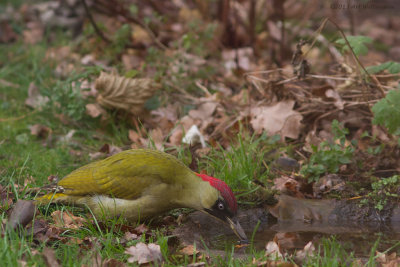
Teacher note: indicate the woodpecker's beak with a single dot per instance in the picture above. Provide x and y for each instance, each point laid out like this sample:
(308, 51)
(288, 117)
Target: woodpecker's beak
(237, 229)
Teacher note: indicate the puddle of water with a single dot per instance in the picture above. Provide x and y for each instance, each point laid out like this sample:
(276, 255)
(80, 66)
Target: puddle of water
(358, 238)
(359, 242)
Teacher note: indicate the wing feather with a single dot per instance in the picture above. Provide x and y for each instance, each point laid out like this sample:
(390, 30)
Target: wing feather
(125, 175)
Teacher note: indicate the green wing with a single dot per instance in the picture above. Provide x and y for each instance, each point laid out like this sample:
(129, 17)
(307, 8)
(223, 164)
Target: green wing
(125, 175)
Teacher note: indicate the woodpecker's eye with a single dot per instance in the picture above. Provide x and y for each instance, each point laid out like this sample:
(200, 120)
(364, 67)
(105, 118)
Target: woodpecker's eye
(220, 209)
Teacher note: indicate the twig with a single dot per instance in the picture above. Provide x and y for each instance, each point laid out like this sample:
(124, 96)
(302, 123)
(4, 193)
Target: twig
(122, 11)
(356, 58)
(17, 118)
(185, 94)
(318, 31)
(202, 87)
(96, 29)
(149, 32)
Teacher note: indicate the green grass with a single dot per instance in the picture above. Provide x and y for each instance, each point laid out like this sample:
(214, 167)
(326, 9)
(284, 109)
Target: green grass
(330, 254)
(242, 163)
(15, 247)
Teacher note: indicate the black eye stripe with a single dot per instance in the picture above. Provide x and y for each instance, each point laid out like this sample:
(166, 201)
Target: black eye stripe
(220, 209)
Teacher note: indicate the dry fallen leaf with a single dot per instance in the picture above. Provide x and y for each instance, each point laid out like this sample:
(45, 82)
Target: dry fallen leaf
(128, 236)
(142, 253)
(34, 32)
(272, 250)
(338, 102)
(134, 136)
(287, 240)
(67, 220)
(176, 137)
(140, 35)
(169, 112)
(105, 151)
(67, 138)
(141, 229)
(196, 264)
(97, 261)
(60, 53)
(277, 119)
(50, 257)
(327, 184)
(117, 92)
(189, 250)
(156, 137)
(131, 62)
(238, 58)
(287, 185)
(35, 99)
(95, 110)
(308, 250)
(386, 260)
(204, 111)
(74, 241)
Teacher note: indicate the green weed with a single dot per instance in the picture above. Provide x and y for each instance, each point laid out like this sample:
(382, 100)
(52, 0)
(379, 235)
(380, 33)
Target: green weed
(328, 157)
(387, 112)
(383, 190)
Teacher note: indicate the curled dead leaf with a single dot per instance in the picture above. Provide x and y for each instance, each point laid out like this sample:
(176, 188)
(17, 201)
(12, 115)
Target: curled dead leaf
(122, 93)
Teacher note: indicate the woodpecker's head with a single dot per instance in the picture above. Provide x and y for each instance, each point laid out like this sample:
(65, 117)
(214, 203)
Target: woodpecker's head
(224, 205)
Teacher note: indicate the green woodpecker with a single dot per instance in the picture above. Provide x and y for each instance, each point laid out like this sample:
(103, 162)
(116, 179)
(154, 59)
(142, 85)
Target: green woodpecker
(142, 183)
